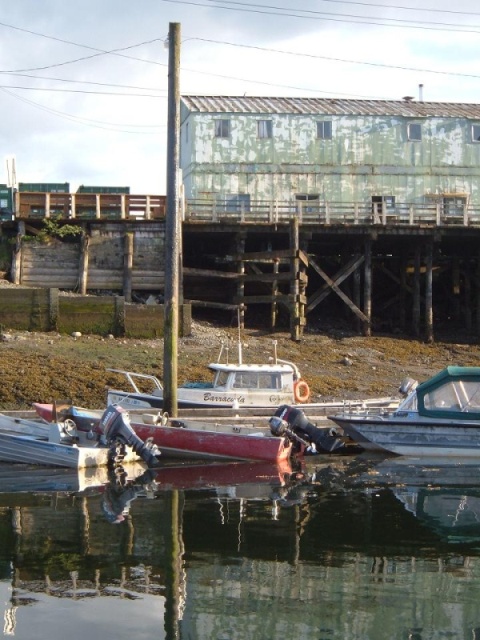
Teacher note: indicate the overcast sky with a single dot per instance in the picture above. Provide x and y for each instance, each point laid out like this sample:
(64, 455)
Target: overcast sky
(84, 83)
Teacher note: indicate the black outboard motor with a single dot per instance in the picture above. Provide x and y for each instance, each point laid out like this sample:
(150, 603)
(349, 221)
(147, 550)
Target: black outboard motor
(325, 439)
(119, 494)
(116, 427)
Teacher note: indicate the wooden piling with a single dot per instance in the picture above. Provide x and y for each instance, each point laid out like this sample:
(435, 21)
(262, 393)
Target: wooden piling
(357, 283)
(240, 250)
(403, 292)
(295, 328)
(429, 293)
(416, 292)
(274, 306)
(367, 295)
(16, 268)
(83, 269)
(128, 266)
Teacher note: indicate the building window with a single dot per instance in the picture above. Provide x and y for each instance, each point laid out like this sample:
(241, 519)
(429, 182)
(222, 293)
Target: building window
(186, 132)
(222, 128)
(378, 204)
(454, 205)
(414, 131)
(264, 128)
(324, 129)
(475, 132)
(233, 202)
(312, 198)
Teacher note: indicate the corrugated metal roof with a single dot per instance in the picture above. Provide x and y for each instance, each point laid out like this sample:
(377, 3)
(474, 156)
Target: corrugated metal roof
(330, 106)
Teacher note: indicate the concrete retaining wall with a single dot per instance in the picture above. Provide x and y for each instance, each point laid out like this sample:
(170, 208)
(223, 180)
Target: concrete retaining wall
(34, 309)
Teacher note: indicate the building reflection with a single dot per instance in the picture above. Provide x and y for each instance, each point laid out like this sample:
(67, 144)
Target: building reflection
(250, 552)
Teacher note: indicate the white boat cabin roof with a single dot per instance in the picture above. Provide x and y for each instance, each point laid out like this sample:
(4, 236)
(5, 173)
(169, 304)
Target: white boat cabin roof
(251, 368)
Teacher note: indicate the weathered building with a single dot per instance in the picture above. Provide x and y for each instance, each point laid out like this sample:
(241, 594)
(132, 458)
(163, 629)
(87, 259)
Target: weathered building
(331, 151)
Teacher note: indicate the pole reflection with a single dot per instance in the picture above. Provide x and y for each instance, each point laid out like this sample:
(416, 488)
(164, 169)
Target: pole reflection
(342, 547)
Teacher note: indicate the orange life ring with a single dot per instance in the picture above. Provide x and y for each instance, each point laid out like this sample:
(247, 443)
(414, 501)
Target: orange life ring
(301, 391)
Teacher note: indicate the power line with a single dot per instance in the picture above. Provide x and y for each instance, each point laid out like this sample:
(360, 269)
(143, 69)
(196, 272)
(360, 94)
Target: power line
(360, 19)
(80, 120)
(310, 12)
(99, 52)
(100, 84)
(95, 55)
(206, 73)
(403, 8)
(97, 93)
(228, 77)
(343, 60)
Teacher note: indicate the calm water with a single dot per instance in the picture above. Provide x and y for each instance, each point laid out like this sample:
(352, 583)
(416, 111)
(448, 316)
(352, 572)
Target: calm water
(345, 548)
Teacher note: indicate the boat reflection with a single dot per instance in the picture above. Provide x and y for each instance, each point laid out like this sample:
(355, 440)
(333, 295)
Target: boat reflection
(241, 480)
(347, 547)
(442, 493)
(22, 478)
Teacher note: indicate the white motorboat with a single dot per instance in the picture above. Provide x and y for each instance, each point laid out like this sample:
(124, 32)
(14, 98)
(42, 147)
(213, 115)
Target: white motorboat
(233, 386)
(61, 444)
(440, 417)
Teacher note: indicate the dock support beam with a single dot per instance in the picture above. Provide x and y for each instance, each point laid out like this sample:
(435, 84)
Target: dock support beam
(403, 291)
(416, 292)
(477, 292)
(83, 276)
(274, 306)
(367, 296)
(429, 293)
(295, 313)
(128, 267)
(240, 250)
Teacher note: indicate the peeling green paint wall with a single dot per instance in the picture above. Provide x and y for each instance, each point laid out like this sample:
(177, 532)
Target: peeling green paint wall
(366, 156)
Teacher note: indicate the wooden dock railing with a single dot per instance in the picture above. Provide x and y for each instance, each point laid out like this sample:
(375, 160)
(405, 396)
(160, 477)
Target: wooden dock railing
(89, 206)
(147, 207)
(309, 212)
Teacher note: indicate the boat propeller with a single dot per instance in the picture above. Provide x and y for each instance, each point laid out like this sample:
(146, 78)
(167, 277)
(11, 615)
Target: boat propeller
(115, 426)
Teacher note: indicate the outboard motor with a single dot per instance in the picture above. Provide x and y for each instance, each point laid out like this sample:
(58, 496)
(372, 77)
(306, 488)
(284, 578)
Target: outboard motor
(116, 427)
(407, 386)
(119, 494)
(325, 439)
(281, 429)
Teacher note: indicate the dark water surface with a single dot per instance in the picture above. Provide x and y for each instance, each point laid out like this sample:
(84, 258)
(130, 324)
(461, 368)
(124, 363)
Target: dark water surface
(349, 548)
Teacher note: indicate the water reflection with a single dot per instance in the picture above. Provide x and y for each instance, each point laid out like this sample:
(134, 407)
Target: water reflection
(343, 547)
(443, 494)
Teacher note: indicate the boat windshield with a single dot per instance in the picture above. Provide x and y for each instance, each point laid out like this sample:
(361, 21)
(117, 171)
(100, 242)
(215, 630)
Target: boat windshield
(255, 380)
(454, 395)
(409, 404)
(221, 379)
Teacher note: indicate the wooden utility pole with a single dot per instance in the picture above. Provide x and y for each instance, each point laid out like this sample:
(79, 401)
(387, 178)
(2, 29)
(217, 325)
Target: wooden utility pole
(172, 226)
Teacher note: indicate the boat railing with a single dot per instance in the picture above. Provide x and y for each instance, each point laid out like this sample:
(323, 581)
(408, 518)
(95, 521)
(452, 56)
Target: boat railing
(131, 376)
(366, 412)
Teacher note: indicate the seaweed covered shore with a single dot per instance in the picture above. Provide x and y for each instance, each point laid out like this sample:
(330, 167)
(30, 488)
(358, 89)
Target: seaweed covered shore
(43, 367)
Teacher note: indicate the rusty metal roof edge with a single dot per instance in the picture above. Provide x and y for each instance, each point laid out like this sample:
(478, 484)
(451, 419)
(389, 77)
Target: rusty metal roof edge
(328, 106)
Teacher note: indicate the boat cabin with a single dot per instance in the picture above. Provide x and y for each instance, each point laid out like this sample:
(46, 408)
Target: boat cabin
(278, 377)
(453, 391)
(232, 385)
